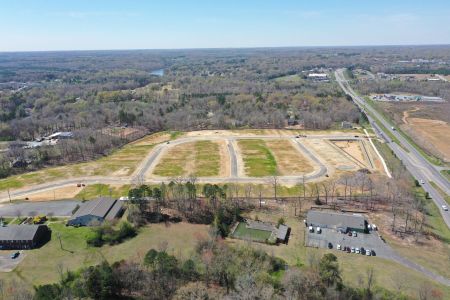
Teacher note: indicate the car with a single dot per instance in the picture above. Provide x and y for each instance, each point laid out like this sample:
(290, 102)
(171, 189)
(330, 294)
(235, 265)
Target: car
(357, 251)
(318, 229)
(78, 184)
(422, 181)
(168, 143)
(374, 227)
(373, 253)
(363, 251)
(348, 250)
(354, 234)
(330, 245)
(392, 127)
(353, 250)
(444, 207)
(311, 229)
(338, 247)
(368, 252)
(15, 255)
(349, 233)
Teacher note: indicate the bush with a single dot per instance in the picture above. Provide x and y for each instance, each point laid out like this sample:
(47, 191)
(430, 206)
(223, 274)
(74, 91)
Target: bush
(106, 234)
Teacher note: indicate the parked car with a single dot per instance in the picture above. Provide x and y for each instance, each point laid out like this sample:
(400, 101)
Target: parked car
(348, 250)
(311, 229)
(15, 255)
(368, 252)
(363, 251)
(374, 227)
(318, 229)
(354, 234)
(444, 207)
(373, 253)
(357, 251)
(330, 245)
(349, 233)
(353, 250)
(338, 247)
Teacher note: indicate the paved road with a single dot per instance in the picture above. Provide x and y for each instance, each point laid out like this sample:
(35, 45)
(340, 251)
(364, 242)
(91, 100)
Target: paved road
(414, 162)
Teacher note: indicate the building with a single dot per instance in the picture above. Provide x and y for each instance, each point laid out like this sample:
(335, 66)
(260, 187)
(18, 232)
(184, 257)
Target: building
(346, 125)
(318, 76)
(283, 233)
(336, 220)
(96, 211)
(60, 135)
(18, 237)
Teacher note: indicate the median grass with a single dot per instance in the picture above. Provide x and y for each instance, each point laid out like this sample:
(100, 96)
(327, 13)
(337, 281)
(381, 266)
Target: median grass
(258, 159)
(446, 174)
(97, 190)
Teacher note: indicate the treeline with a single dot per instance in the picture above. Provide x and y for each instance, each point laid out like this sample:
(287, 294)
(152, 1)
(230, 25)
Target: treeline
(214, 271)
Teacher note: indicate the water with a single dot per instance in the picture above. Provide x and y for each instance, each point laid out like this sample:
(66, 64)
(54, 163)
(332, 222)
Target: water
(159, 72)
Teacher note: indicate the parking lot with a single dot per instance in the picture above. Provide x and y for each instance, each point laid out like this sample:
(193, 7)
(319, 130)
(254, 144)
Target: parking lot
(7, 264)
(61, 208)
(370, 241)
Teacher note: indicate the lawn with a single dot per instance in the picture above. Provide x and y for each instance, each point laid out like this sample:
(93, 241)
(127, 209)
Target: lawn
(40, 266)
(446, 174)
(258, 159)
(256, 235)
(97, 190)
(201, 158)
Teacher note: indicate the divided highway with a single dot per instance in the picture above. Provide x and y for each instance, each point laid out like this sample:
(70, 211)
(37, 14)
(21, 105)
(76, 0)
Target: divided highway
(415, 163)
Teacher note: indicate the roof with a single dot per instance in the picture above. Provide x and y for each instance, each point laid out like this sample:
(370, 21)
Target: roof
(114, 211)
(99, 207)
(282, 232)
(337, 219)
(18, 232)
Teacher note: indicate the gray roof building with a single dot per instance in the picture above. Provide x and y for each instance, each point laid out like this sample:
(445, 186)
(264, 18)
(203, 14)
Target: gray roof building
(282, 232)
(96, 211)
(336, 220)
(23, 236)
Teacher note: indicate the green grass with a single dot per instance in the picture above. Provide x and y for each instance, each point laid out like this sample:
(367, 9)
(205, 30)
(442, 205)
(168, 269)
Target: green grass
(207, 159)
(440, 191)
(244, 233)
(96, 190)
(446, 174)
(40, 266)
(258, 159)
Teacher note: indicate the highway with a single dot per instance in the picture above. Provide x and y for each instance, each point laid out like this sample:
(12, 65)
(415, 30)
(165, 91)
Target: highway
(415, 163)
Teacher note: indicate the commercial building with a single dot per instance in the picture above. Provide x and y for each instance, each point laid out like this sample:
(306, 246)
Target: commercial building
(94, 212)
(336, 220)
(18, 237)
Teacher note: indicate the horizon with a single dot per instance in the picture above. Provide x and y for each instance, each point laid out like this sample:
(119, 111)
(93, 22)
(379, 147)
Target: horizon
(176, 25)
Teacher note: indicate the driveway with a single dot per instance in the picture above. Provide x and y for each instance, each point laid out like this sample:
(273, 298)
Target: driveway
(7, 264)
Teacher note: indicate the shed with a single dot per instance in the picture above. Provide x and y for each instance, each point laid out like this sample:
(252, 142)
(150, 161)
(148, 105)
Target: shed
(283, 233)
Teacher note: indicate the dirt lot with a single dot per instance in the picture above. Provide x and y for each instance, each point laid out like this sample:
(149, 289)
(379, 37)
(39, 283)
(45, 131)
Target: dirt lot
(68, 192)
(353, 148)
(289, 160)
(334, 157)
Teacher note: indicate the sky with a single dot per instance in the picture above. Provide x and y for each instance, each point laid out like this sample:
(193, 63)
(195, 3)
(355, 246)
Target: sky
(39, 25)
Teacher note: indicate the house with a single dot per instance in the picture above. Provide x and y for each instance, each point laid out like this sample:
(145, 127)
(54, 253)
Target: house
(318, 76)
(18, 237)
(337, 220)
(96, 211)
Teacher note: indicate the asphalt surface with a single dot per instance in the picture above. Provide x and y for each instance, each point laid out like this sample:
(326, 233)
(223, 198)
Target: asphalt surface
(415, 163)
(61, 208)
(371, 241)
(7, 264)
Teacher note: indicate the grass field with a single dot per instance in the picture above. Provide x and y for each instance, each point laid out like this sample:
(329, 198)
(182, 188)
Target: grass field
(289, 160)
(446, 174)
(201, 158)
(244, 233)
(258, 159)
(96, 190)
(41, 265)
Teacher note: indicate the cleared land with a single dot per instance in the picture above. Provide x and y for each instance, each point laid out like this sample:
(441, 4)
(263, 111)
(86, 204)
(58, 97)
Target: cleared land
(353, 148)
(40, 266)
(289, 160)
(68, 192)
(122, 162)
(201, 158)
(258, 159)
(331, 155)
(434, 135)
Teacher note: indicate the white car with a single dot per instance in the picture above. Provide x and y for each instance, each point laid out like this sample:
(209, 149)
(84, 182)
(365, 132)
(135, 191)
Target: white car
(319, 230)
(354, 234)
(422, 181)
(444, 207)
(353, 250)
(368, 252)
(338, 247)
(357, 251)
(311, 229)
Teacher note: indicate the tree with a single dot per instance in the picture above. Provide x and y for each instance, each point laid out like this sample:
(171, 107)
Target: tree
(329, 270)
